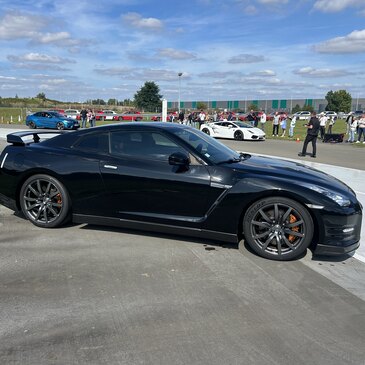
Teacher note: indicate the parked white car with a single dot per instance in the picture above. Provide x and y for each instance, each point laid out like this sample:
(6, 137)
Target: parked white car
(72, 113)
(234, 130)
(330, 114)
(303, 115)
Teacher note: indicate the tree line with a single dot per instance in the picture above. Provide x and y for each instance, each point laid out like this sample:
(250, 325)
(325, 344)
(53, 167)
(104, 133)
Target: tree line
(148, 99)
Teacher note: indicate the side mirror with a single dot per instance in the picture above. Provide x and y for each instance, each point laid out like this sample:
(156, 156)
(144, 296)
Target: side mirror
(179, 159)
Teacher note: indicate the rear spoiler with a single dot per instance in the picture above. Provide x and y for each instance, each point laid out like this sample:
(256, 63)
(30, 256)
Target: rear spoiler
(16, 138)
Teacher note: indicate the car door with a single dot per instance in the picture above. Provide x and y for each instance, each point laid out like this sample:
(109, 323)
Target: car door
(142, 185)
(50, 121)
(44, 120)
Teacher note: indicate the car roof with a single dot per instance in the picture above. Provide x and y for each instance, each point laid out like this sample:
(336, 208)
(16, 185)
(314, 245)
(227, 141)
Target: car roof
(68, 139)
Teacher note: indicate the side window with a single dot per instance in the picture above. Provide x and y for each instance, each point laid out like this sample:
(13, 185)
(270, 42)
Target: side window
(146, 145)
(96, 143)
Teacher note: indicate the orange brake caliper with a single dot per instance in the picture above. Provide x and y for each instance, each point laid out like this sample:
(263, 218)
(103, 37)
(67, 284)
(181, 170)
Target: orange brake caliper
(293, 219)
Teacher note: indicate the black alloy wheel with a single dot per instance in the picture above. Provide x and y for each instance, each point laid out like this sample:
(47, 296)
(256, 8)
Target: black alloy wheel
(278, 228)
(32, 125)
(238, 136)
(60, 126)
(206, 131)
(44, 201)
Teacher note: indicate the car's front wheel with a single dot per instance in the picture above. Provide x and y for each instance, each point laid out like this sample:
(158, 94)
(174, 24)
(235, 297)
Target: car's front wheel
(238, 135)
(60, 126)
(206, 131)
(44, 201)
(32, 125)
(278, 228)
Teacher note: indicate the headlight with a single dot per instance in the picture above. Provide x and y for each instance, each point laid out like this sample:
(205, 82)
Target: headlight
(338, 198)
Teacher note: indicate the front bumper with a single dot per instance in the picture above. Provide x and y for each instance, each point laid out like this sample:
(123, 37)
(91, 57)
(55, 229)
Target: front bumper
(340, 234)
(335, 250)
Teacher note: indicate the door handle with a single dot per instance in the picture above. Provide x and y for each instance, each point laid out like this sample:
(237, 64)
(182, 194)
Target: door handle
(112, 167)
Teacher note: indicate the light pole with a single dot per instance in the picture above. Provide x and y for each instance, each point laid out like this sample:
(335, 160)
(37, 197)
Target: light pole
(179, 74)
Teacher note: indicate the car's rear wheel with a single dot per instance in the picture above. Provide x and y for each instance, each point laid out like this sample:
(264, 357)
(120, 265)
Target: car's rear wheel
(206, 131)
(60, 126)
(278, 228)
(238, 135)
(44, 201)
(32, 125)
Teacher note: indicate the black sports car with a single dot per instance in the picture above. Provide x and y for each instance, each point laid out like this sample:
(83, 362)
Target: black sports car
(172, 178)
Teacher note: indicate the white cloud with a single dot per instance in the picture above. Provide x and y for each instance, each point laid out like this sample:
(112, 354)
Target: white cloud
(175, 54)
(272, 2)
(352, 43)
(15, 25)
(246, 58)
(250, 10)
(329, 6)
(141, 74)
(39, 58)
(265, 73)
(321, 73)
(136, 21)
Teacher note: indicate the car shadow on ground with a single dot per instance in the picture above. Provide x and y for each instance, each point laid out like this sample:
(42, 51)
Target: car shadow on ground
(209, 244)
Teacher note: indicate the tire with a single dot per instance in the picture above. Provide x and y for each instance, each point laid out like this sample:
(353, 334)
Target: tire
(44, 201)
(120, 119)
(238, 136)
(206, 131)
(60, 126)
(32, 125)
(278, 228)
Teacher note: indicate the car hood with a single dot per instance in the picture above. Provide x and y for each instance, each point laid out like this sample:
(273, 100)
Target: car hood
(289, 171)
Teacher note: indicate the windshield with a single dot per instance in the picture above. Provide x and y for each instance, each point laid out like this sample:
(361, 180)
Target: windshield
(243, 125)
(213, 150)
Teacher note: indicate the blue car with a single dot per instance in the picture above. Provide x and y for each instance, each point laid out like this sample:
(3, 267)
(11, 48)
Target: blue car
(50, 119)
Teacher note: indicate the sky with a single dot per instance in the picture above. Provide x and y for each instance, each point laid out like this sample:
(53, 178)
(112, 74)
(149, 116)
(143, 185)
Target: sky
(76, 50)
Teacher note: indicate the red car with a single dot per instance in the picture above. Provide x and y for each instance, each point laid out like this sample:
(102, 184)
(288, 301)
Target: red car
(130, 115)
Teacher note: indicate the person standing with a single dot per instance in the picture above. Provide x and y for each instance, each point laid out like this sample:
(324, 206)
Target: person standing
(361, 130)
(263, 121)
(349, 121)
(322, 124)
(283, 125)
(353, 127)
(91, 118)
(181, 117)
(251, 118)
(83, 114)
(312, 134)
(275, 124)
(292, 126)
(330, 125)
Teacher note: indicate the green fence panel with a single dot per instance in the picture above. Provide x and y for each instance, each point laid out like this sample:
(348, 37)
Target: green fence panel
(282, 104)
(193, 104)
(214, 104)
(275, 104)
(169, 104)
(236, 104)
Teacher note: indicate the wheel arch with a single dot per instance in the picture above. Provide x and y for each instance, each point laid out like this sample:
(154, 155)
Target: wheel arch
(39, 171)
(282, 194)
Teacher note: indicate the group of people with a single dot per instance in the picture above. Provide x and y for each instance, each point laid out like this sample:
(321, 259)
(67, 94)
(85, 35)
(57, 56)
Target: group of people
(354, 125)
(87, 116)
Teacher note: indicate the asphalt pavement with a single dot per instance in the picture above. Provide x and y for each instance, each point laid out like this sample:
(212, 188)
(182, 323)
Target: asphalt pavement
(86, 294)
